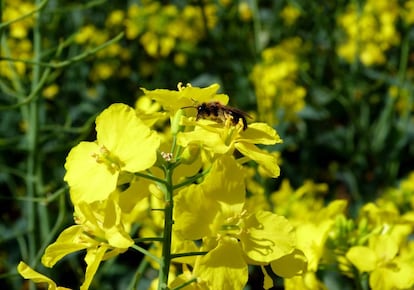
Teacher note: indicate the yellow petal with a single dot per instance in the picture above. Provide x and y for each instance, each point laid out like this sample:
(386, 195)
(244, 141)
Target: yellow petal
(223, 267)
(267, 160)
(403, 278)
(225, 181)
(29, 273)
(307, 281)
(93, 258)
(363, 258)
(267, 237)
(384, 246)
(88, 180)
(186, 96)
(193, 213)
(67, 242)
(260, 133)
(127, 137)
(381, 279)
(311, 240)
(290, 265)
(179, 245)
(211, 140)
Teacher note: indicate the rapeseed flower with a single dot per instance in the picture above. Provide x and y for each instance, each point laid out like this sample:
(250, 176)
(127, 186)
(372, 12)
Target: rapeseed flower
(124, 144)
(371, 30)
(279, 95)
(387, 269)
(100, 230)
(213, 211)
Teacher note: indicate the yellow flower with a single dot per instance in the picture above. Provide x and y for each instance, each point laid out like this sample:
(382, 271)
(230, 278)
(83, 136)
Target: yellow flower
(274, 78)
(300, 204)
(100, 230)
(85, 34)
(224, 140)
(51, 91)
(245, 11)
(408, 12)
(115, 18)
(387, 270)
(29, 273)
(149, 110)
(370, 31)
(290, 14)
(213, 211)
(197, 205)
(172, 101)
(124, 143)
(16, 9)
(102, 71)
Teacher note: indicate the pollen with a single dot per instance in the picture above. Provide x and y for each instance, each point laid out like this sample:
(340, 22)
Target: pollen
(110, 160)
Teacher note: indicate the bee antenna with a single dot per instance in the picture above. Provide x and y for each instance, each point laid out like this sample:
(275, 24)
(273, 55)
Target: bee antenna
(186, 107)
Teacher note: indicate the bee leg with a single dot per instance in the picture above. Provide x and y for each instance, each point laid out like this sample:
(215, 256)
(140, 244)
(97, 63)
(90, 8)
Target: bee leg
(244, 123)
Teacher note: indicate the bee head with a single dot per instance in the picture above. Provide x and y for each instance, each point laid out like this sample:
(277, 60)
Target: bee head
(202, 107)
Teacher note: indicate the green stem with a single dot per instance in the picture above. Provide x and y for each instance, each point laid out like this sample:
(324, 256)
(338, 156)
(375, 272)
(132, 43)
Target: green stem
(146, 253)
(55, 229)
(180, 255)
(257, 28)
(149, 239)
(138, 274)
(168, 223)
(402, 73)
(150, 177)
(70, 61)
(32, 141)
(186, 283)
(191, 179)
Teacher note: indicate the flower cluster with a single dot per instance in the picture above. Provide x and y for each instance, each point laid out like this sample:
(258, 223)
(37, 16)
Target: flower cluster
(186, 189)
(371, 31)
(17, 45)
(164, 29)
(275, 82)
(161, 30)
(331, 241)
(380, 235)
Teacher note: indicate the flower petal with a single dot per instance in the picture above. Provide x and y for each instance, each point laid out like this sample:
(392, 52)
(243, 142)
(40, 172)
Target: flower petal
(209, 139)
(267, 237)
(88, 180)
(186, 96)
(29, 273)
(127, 137)
(193, 213)
(93, 258)
(66, 243)
(260, 133)
(225, 181)
(290, 265)
(267, 160)
(369, 261)
(223, 267)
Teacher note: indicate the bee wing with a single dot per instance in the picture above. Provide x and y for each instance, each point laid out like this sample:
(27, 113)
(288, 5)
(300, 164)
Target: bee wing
(238, 111)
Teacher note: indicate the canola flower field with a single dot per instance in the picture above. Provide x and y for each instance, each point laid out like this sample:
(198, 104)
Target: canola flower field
(207, 144)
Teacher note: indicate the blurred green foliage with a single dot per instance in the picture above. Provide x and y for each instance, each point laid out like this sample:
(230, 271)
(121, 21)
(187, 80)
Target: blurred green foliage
(334, 78)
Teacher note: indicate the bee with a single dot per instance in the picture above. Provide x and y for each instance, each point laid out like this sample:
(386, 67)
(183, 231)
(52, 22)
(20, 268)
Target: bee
(220, 113)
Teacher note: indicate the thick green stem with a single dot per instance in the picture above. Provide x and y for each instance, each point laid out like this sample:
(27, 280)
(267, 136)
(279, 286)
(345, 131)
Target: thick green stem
(32, 139)
(167, 236)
